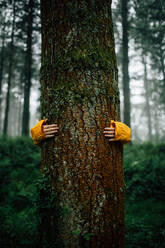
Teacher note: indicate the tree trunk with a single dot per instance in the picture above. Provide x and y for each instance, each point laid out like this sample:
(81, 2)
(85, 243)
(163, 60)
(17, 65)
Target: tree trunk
(156, 125)
(2, 59)
(28, 71)
(11, 55)
(80, 93)
(148, 109)
(19, 118)
(125, 63)
(162, 69)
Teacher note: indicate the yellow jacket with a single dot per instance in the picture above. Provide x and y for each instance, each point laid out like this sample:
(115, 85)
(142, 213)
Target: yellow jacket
(37, 133)
(122, 132)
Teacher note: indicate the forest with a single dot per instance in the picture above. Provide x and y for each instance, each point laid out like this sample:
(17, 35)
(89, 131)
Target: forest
(56, 58)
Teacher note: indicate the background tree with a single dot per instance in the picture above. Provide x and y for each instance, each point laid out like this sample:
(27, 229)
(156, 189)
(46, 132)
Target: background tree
(2, 60)
(11, 56)
(147, 98)
(24, 71)
(149, 24)
(125, 61)
(28, 67)
(80, 93)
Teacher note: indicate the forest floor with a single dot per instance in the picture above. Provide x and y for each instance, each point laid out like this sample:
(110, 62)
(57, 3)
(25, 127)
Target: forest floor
(20, 179)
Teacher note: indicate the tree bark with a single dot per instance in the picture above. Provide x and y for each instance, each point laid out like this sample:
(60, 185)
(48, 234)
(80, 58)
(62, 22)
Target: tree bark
(80, 93)
(148, 109)
(11, 55)
(28, 71)
(162, 66)
(125, 63)
(1, 72)
(156, 125)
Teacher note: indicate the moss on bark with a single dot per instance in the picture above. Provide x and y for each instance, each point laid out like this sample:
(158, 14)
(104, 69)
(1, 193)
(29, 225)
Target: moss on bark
(80, 93)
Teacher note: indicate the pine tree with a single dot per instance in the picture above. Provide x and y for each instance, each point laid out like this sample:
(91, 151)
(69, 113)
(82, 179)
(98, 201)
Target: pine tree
(148, 31)
(125, 62)
(80, 93)
(28, 68)
(11, 56)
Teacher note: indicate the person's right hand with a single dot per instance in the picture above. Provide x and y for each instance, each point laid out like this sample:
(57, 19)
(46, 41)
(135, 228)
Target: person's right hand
(109, 132)
(49, 130)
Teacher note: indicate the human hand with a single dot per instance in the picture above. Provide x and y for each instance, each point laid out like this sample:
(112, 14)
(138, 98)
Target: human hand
(109, 132)
(49, 130)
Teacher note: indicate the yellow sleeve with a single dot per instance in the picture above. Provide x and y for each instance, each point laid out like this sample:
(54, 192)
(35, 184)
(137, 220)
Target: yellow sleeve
(37, 133)
(122, 131)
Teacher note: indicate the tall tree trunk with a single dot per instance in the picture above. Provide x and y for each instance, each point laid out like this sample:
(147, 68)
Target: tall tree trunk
(11, 128)
(19, 130)
(156, 125)
(162, 69)
(11, 55)
(28, 71)
(148, 109)
(2, 59)
(80, 93)
(125, 62)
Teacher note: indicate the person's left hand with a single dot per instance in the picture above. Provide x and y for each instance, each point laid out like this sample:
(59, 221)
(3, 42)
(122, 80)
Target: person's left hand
(49, 130)
(109, 132)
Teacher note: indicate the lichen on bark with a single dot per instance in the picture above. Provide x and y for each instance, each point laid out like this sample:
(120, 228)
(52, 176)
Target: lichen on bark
(80, 93)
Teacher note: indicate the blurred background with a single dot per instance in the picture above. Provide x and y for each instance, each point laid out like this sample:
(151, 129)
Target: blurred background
(140, 47)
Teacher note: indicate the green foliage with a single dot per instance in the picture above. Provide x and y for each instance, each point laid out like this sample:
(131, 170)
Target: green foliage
(144, 171)
(76, 232)
(145, 225)
(88, 236)
(144, 178)
(19, 170)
